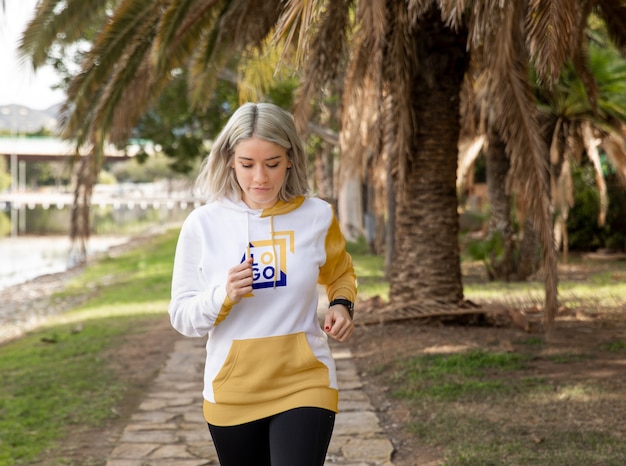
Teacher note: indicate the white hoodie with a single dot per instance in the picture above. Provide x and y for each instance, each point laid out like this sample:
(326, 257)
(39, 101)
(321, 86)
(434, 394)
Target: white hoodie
(267, 353)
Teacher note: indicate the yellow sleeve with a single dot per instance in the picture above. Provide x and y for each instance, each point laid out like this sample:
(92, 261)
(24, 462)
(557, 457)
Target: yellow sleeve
(337, 273)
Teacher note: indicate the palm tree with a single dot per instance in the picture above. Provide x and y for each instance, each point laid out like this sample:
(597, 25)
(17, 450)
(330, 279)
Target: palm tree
(406, 61)
(572, 128)
(579, 125)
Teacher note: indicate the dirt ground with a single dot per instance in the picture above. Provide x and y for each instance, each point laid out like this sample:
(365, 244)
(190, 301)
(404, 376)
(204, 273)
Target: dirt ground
(581, 337)
(374, 348)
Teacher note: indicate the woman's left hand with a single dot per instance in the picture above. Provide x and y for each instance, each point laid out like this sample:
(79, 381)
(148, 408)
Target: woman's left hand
(338, 324)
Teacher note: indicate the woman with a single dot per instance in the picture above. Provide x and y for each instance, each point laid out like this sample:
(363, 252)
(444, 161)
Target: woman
(245, 273)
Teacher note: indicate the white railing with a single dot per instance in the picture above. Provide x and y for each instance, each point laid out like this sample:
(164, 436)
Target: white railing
(30, 200)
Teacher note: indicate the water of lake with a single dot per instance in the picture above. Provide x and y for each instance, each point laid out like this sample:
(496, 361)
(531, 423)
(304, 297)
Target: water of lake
(23, 258)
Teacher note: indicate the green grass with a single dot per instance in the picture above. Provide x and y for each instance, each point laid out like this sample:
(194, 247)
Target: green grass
(601, 287)
(615, 346)
(57, 379)
(138, 278)
(370, 271)
(531, 342)
(54, 380)
(455, 376)
(601, 290)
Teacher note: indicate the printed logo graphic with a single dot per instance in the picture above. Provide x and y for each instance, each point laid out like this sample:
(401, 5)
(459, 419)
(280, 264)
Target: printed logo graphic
(269, 260)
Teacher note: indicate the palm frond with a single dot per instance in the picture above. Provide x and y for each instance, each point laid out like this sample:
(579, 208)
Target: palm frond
(569, 99)
(257, 71)
(515, 119)
(367, 43)
(591, 147)
(369, 124)
(613, 12)
(130, 32)
(328, 47)
(452, 12)
(614, 146)
(574, 145)
(54, 19)
(469, 150)
(204, 72)
(417, 8)
(247, 23)
(181, 28)
(556, 142)
(399, 60)
(474, 100)
(241, 24)
(298, 17)
(485, 14)
(361, 131)
(580, 58)
(128, 94)
(551, 24)
(609, 70)
(563, 201)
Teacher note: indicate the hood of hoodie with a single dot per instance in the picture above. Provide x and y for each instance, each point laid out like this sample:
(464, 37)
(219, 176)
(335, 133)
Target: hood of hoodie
(280, 208)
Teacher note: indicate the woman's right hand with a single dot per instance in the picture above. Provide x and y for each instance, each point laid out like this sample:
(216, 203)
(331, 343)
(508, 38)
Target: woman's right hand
(239, 280)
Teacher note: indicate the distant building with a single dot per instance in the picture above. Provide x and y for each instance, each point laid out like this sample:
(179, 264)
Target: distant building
(48, 149)
(18, 119)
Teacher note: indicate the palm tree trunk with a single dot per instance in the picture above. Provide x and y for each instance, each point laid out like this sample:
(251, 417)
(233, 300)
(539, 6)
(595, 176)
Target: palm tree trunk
(426, 269)
(79, 227)
(324, 171)
(529, 252)
(501, 261)
(350, 207)
(390, 224)
(324, 158)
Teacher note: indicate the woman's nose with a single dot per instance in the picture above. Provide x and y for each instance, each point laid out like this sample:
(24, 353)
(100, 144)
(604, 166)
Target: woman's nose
(260, 174)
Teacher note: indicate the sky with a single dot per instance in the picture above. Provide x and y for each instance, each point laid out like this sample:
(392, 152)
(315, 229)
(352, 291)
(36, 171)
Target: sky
(19, 84)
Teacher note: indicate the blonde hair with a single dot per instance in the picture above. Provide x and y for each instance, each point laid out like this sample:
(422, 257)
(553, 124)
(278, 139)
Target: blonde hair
(259, 120)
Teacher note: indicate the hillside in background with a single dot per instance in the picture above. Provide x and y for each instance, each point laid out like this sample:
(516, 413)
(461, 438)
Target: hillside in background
(18, 119)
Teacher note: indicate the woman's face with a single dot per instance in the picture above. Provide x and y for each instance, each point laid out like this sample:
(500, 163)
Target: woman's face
(260, 167)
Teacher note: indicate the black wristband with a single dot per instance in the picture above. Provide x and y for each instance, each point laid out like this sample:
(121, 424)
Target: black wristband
(346, 302)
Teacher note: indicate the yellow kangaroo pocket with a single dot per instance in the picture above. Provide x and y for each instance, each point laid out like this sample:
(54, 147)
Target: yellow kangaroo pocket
(263, 369)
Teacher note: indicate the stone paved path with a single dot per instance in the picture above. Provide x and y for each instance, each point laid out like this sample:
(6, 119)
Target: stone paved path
(168, 428)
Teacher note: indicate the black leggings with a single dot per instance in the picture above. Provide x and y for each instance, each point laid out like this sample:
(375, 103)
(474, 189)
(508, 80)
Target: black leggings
(298, 437)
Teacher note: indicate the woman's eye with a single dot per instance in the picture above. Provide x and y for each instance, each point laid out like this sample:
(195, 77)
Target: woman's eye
(273, 165)
(246, 166)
